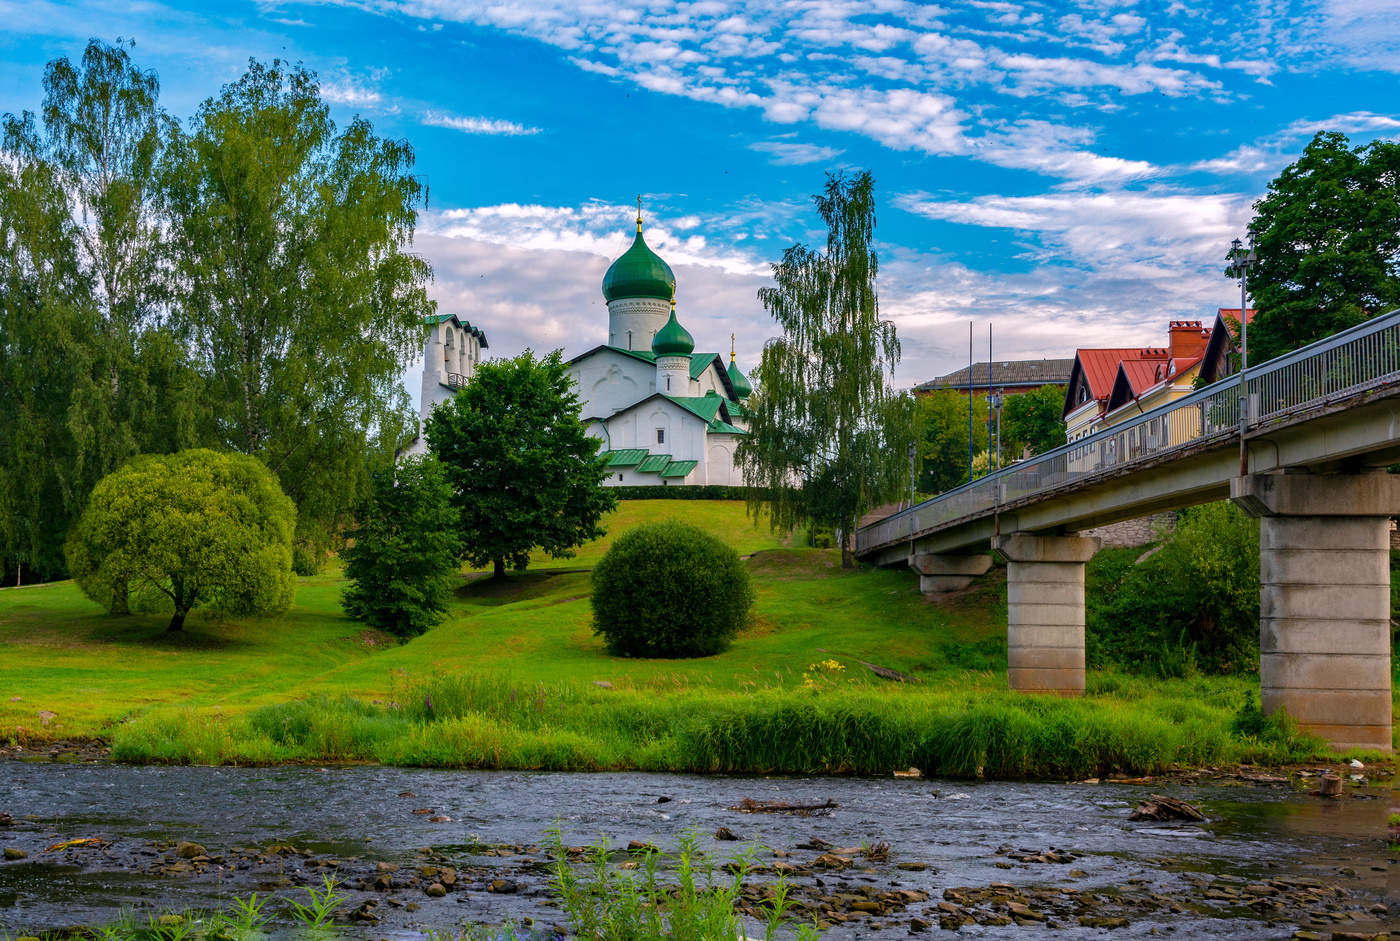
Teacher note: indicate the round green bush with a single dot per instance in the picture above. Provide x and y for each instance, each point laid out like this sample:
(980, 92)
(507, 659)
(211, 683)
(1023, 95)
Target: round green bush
(669, 590)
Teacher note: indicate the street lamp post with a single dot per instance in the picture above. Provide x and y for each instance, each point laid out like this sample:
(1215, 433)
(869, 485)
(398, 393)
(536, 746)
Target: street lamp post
(1242, 259)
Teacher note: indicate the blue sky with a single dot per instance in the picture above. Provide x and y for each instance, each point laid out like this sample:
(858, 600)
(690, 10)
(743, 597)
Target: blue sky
(1069, 172)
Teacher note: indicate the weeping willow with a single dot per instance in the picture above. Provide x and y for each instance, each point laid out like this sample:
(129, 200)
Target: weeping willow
(828, 435)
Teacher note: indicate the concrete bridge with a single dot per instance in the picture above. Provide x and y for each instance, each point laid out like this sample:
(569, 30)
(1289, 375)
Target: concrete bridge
(1320, 426)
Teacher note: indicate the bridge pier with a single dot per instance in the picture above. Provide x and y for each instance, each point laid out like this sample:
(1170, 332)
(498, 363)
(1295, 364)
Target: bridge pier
(1324, 600)
(1045, 611)
(943, 573)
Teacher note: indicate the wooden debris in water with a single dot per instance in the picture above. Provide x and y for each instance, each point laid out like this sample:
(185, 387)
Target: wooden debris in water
(750, 806)
(1158, 807)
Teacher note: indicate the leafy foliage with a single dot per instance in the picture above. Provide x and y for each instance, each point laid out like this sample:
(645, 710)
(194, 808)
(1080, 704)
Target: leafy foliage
(187, 529)
(1194, 604)
(402, 557)
(524, 471)
(942, 429)
(827, 435)
(87, 375)
(1328, 240)
(669, 590)
(1030, 422)
(295, 286)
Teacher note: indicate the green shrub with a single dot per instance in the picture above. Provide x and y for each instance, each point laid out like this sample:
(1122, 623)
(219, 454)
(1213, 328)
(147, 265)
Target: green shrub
(669, 590)
(1194, 604)
(402, 559)
(170, 532)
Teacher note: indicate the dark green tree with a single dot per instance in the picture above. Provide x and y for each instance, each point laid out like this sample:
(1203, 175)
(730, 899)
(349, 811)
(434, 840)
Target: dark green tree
(940, 421)
(176, 531)
(91, 391)
(1031, 423)
(828, 436)
(45, 364)
(295, 285)
(1328, 240)
(401, 559)
(525, 473)
(101, 132)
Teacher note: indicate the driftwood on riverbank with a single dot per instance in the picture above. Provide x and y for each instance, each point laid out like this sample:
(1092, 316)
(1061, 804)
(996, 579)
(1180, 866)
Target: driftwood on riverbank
(1157, 807)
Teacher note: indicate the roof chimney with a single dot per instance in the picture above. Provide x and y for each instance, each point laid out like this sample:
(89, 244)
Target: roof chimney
(1187, 340)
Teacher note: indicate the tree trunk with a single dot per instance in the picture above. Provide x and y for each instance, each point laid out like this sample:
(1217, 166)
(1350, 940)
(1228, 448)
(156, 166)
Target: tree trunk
(848, 560)
(121, 605)
(498, 572)
(177, 622)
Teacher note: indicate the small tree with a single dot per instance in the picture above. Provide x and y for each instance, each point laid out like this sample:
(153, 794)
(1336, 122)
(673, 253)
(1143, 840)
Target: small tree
(1030, 422)
(187, 529)
(669, 590)
(941, 429)
(524, 471)
(828, 437)
(402, 558)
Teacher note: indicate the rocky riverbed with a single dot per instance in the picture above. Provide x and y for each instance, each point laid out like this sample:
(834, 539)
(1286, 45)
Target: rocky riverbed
(419, 849)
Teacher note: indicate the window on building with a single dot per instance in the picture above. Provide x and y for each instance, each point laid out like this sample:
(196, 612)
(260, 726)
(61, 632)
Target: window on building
(668, 383)
(661, 436)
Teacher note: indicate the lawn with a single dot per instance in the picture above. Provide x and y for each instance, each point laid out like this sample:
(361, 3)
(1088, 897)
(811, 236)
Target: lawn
(515, 677)
(65, 656)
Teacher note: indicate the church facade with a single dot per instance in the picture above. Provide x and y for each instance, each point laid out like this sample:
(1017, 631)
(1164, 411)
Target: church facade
(666, 414)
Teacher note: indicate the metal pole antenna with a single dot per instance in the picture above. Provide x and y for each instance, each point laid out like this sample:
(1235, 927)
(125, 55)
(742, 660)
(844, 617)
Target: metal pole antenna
(993, 397)
(969, 401)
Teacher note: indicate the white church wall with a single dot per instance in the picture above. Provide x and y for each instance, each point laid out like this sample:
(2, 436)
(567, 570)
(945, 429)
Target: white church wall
(609, 381)
(633, 321)
(720, 464)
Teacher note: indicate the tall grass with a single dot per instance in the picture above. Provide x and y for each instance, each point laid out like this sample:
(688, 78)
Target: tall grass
(1125, 725)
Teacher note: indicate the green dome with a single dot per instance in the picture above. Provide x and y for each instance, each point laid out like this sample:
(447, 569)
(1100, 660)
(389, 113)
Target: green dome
(742, 389)
(673, 339)
(640, 272)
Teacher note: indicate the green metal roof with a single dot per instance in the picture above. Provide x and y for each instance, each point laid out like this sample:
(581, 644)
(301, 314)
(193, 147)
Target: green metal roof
(718, 427)
(645, 356)
(678, 468)
(627, 457)
(742, 388)
(672, 339)
(702, 406)
(433, 320)
(699, 362)
(640, 272)
(654, 464)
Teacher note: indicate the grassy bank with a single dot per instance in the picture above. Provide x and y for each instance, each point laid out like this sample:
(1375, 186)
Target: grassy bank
(967, 728)
(515, 678)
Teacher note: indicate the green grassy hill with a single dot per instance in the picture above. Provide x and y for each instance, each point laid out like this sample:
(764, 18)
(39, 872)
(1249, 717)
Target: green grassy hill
(514, 677)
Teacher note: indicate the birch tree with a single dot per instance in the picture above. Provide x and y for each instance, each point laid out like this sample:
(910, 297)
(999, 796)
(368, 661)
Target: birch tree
(828, 436)
(295, 283)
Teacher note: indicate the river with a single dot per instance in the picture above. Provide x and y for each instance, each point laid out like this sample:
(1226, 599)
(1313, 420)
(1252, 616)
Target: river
(1269, 859)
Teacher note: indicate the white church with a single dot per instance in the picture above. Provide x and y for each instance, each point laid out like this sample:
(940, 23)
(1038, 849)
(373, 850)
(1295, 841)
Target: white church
(666, 415)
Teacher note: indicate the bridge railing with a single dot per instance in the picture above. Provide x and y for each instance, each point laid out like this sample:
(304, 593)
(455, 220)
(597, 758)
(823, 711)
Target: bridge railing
(1361, 357)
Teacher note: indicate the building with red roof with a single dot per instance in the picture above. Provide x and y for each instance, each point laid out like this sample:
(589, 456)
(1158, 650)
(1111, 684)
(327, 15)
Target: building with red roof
(1107, 386)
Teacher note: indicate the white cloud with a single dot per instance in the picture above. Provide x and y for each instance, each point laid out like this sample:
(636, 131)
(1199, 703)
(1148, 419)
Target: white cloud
(792, 153)
(355, 91)
(476, 125)
(891, 71)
